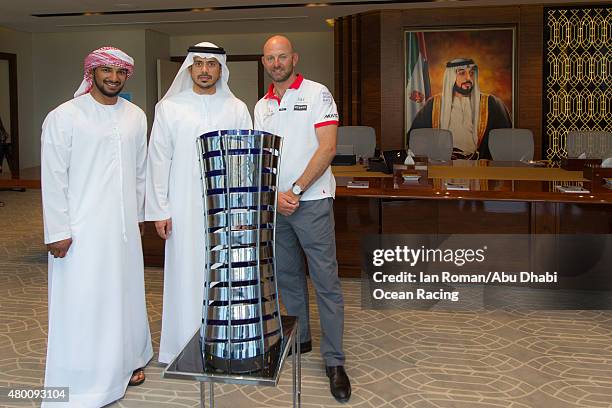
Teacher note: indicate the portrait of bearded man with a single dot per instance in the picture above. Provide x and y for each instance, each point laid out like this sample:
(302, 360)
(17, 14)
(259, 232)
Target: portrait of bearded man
(464, 110)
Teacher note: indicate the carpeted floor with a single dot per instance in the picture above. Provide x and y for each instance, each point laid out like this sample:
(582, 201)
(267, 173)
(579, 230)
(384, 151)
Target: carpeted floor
(394, 358)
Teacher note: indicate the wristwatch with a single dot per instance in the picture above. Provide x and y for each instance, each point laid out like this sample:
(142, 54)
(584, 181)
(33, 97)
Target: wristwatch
(297, 190)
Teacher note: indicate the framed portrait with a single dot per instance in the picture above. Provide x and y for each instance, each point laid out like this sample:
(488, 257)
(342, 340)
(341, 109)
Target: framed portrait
(463, 80)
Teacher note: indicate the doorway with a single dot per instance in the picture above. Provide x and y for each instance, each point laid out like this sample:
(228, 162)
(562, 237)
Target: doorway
(9, 126)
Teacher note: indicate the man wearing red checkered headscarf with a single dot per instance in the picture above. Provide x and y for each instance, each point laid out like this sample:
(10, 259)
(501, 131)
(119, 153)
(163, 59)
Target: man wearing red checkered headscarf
(93, 170)
(105, 56)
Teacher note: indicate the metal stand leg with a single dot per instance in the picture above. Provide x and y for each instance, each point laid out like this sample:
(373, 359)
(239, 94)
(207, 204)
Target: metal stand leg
(299, 367)
(212, 395)
(296, 370)
(202, 395)
(295, 350)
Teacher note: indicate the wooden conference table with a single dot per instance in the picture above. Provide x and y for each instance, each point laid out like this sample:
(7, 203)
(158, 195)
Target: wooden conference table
(503, 198)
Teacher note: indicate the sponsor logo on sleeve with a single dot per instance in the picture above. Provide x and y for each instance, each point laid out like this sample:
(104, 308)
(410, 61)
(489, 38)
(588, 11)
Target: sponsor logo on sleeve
(331, 116)
(326, 97)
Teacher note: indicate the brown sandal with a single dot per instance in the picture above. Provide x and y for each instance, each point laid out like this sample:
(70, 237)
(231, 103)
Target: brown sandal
(136, 372)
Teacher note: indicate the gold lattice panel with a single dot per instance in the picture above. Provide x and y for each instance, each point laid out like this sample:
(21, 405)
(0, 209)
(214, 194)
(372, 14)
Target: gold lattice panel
(577, 74)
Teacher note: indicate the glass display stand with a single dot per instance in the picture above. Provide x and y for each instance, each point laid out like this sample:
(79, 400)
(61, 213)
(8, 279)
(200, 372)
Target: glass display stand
(189, 365)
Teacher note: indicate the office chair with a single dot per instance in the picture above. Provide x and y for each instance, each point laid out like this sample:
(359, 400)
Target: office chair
(363, 139)
(511, 144)
(436, 144)
(595, 144)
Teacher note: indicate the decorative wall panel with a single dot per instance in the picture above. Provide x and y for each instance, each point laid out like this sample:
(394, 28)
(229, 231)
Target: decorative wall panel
(577, 74)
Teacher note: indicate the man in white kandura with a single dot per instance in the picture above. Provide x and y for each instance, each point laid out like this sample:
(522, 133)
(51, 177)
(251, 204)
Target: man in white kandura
(198, 101)
(93, 183)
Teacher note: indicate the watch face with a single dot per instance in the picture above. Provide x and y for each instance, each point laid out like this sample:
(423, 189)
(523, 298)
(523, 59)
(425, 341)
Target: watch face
(297, 190)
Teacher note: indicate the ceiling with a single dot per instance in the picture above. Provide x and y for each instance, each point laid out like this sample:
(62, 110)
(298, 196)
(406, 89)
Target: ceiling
(183, 17)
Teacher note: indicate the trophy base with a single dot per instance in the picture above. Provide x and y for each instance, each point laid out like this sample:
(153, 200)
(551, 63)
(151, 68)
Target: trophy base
(246, 365)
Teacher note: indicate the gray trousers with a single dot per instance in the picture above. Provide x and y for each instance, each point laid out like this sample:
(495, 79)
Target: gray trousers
(311, 228)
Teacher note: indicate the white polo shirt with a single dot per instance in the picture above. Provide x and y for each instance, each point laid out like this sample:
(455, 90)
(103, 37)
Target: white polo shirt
(305, 106)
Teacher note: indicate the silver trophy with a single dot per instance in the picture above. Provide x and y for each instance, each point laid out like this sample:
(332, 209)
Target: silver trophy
(241, 326)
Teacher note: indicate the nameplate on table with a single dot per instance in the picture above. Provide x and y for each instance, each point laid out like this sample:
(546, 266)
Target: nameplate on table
(461, 185)
(358, 184)
(572, 189)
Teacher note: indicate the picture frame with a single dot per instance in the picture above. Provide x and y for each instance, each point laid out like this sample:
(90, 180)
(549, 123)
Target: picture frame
(427, 51)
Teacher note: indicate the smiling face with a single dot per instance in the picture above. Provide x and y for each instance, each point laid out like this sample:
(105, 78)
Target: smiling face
(205, 72)
(109, 80)
(279, 59)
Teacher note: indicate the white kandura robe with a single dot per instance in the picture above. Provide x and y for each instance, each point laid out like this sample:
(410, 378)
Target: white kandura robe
(93, 170)
(462, 125)
(174, 191)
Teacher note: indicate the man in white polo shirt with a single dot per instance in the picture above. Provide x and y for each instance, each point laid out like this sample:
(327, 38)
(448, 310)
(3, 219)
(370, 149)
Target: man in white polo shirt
(304, 113)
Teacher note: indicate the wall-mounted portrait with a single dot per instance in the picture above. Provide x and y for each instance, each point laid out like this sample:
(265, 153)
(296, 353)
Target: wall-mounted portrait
(461, 80)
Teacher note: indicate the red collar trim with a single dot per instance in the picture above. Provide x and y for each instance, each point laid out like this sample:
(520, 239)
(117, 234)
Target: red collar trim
(295, 85)
(298, 81)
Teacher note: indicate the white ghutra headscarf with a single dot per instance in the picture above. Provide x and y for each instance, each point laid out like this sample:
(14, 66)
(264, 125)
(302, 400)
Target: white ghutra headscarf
(450, 76)
(183, 80)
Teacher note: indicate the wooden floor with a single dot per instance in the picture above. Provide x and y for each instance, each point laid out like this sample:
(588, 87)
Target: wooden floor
(28, 178)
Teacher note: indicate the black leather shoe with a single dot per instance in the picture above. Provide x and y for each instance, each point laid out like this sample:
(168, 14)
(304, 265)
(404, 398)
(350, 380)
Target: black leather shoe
(339, 383)
(305, 347)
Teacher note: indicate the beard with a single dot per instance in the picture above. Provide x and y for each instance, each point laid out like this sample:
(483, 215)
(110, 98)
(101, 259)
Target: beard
(462, 91)
(206, 85)
(100, 86)
(279, 76)
(204, 80)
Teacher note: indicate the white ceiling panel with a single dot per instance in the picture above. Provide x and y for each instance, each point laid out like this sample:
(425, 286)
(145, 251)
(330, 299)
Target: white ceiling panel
(18, 14)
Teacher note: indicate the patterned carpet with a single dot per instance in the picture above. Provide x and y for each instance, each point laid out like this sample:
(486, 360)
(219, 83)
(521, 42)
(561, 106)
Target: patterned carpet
(396, 359)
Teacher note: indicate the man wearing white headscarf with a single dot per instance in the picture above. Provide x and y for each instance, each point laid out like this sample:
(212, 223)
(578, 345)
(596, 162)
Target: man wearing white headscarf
(93, 169)
(461, 108)
(198, 101)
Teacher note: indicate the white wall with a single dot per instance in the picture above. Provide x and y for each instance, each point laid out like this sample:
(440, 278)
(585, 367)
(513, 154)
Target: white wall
(157, 47)
(316, 50)
(19, 43)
